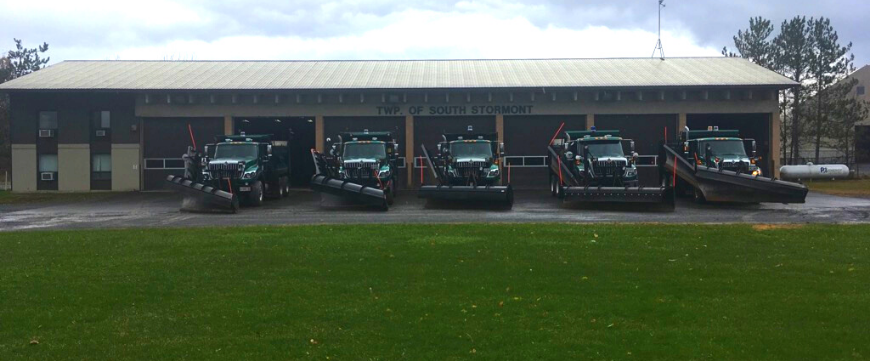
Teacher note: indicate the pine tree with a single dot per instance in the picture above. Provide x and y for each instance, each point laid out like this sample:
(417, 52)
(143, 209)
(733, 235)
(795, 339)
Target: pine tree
(18, 62)
(754, 43)
(829, 63)
(792, 57)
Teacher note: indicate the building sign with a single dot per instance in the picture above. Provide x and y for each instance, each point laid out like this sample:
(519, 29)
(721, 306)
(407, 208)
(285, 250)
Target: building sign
(455, 109)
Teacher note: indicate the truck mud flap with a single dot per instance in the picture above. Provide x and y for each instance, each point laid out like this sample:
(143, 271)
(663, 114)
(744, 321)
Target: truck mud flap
(733, 187)
(362, 194)
(202, 198)
(497, 194)
(620, 194)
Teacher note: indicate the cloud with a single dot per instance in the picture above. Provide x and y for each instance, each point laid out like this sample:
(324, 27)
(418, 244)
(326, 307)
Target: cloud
(378, 29)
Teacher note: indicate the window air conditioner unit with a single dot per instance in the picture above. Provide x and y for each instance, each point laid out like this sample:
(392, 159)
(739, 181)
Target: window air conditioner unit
(46, 133)
(46, 176)
(101, 133)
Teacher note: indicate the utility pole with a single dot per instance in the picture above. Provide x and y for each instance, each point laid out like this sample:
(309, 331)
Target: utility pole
(659, 47)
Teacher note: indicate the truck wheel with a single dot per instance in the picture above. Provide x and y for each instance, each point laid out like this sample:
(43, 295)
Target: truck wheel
(282, 191)
(286, 186)
(552, 185)
(256, 195)
(390, 194)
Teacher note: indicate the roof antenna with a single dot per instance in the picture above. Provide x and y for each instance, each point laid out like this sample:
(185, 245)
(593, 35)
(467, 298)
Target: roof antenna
(659, 47)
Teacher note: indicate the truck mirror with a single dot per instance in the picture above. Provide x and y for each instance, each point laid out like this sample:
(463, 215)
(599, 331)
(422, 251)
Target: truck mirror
(396, 148)
(269, 149)
(206, 150)
(754, 150)
(631, 144)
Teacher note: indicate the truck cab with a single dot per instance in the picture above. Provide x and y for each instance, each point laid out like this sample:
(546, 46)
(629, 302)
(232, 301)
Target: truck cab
(251, 165)
(471, 159)
(598, 157)
(367, 158)
(720, 149)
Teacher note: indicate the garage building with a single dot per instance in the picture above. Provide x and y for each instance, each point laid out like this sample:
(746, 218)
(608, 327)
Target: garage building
(123, 125)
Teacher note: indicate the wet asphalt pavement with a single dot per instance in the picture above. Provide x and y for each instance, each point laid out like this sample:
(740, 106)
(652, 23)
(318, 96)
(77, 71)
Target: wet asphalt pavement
(305, 207)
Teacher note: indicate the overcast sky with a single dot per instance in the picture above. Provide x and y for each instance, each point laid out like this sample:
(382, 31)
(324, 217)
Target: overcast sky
(401, 29)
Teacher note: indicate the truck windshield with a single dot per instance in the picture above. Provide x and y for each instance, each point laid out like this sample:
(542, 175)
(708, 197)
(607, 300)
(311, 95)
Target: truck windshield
(725, 148)
(610, 149)
(365, 151)
(471, 150)
(244, 151)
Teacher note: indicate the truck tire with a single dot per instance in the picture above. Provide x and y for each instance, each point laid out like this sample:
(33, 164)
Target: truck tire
(390, 193)
(552, 185)
(255, 198)
(286, 186)
(281, 190)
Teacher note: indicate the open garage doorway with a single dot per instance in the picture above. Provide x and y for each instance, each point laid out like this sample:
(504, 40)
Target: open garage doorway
(166, 139)
(428, 131)
(648, 132)
(298, 131)
(753, 125)
(333, 126)
(525, 144)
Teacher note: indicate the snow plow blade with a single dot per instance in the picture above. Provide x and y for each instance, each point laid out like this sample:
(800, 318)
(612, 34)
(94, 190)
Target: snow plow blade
(620, 194)
(362, 194)
(728, 186)
(498, 194)
(202, 198)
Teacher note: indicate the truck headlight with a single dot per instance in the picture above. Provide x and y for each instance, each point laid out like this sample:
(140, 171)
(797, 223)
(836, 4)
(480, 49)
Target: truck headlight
(249, 174)
(384, 174)
(493, 172)
(630, 173)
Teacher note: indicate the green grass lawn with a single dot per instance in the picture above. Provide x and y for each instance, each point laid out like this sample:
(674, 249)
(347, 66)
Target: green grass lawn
(436, 292)
(848, 187)
(7, 197)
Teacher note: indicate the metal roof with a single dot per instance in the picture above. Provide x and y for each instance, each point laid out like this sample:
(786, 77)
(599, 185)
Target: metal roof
(397, 74)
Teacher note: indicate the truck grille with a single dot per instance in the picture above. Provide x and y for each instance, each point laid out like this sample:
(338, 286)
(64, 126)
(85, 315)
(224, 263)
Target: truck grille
(226, 170)
(357, 170)
(608, 168)
(734, 166)
(468, 169)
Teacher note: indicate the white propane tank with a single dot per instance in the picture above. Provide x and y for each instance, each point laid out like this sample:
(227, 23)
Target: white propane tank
(814, 171)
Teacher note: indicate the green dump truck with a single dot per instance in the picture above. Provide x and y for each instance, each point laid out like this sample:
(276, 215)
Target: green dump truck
(361, 166)
(714, 165)
(592, 166)
(236, 168)
(467, 167)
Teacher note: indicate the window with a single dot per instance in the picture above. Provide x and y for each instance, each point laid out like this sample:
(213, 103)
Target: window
(47, 120)
(48, 163)
(101, 119)
(860, 90)
(101, 166)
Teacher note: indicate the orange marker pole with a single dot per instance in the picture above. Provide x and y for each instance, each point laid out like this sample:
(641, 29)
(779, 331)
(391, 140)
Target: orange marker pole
(192, 140)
